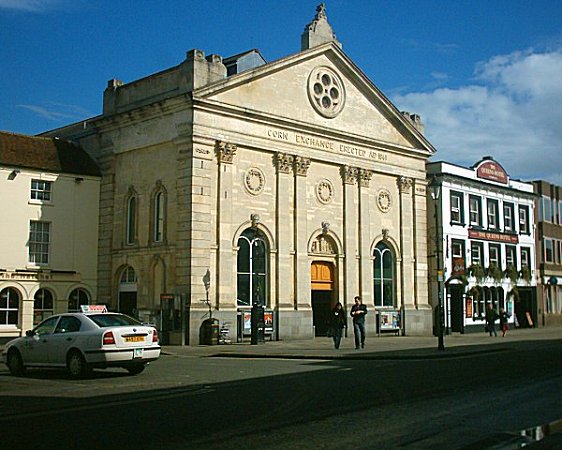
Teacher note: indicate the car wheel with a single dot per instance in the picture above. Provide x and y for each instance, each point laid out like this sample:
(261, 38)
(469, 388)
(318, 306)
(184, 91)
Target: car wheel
(76, 365)
(15, 363)
(136, 369)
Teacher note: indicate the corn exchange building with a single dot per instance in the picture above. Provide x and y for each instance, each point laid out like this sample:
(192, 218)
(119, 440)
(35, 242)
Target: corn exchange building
(294, 183)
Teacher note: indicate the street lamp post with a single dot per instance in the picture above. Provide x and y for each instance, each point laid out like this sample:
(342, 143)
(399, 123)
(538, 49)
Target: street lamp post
(435, 189)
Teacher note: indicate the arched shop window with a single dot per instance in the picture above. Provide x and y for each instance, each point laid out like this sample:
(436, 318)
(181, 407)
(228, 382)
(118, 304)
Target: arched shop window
(252, 268)
(42, 306)
(383, 276)
(77, 298)
(9, 306)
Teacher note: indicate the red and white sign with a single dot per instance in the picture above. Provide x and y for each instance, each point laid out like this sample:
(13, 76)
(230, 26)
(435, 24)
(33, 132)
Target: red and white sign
(93, 308)
(498, 237)
(491, 170)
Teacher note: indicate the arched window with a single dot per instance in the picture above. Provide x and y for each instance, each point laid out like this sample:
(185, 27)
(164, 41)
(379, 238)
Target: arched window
(159, 215)
(383, 272)
(252, 268)
(131, 220)
(43, 305)
(9, 306)
(77, 298)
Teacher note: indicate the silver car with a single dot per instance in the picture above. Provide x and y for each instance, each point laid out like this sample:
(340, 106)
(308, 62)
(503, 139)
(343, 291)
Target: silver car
(81, 342)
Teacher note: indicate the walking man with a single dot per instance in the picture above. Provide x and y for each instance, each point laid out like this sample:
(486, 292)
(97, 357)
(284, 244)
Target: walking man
(358, 312)
(491, 316)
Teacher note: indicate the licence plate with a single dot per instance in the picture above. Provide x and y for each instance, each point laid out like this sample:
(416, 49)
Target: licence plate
(134, 339)
(137, 353)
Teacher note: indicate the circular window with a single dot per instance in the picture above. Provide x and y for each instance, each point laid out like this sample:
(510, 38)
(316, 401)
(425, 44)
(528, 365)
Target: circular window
(326, 92)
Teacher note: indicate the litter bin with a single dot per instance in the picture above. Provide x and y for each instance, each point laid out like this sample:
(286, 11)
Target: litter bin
(258, 324)
(209, 333)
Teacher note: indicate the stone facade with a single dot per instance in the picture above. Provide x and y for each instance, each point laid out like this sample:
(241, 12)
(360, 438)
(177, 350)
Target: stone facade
(304, 153)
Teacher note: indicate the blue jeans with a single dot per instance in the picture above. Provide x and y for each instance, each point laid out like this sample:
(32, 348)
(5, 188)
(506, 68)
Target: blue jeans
(359, 332)
(492, 328)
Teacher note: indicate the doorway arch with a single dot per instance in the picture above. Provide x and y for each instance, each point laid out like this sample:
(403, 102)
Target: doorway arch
(322, 277)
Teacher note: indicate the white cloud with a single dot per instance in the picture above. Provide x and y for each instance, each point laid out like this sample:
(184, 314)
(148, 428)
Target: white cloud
(58, 112)
(513, 112)
(29, 5)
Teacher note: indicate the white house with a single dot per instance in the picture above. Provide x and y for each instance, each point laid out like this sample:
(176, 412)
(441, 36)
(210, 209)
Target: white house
(49, 191)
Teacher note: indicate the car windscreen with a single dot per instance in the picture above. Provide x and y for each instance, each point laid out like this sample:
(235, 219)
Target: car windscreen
(113, 320)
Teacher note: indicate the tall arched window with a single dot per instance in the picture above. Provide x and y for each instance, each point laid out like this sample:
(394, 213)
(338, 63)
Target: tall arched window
(9, 306)
(383, 272)
(131, 220)
(42, 306)
(252, 268)
(77, 298)
(158, 218)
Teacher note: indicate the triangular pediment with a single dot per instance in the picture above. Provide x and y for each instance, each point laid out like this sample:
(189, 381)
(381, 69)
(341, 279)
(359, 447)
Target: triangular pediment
(322, 88)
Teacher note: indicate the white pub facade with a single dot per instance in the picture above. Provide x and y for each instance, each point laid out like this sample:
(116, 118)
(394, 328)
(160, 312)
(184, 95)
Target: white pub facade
(486, 242)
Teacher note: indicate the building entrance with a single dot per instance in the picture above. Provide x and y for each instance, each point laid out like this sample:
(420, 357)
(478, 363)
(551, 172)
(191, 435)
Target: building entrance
(456, 299)
(322, 295)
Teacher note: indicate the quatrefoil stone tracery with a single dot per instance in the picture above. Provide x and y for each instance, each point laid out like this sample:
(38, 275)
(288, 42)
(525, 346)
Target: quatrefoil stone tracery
(326, 92)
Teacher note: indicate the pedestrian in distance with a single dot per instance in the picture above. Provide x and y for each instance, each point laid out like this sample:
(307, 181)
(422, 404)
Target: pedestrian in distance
(358, 312)
(504, 317)
(337, 323)
(491, 317)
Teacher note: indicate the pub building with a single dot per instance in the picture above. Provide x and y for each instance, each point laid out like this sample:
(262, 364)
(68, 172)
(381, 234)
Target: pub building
(486, 244)
(293, 184)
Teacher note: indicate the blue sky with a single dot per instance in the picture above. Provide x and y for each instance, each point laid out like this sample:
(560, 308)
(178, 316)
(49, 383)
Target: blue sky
(485, 75)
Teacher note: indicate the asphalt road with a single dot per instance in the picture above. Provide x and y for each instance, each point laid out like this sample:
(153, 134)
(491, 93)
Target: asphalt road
(466, 402)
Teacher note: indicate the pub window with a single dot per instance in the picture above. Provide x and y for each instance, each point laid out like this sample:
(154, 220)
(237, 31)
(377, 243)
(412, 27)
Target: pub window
(494, 255)
(545, 209)
(525, 257)
(457, 210)
(511, 255)
(252, 268)
(508, 213)
(458, 253)
(524, 220)
(383, 274)
(475, 211)
(476, 253)
(493, 222)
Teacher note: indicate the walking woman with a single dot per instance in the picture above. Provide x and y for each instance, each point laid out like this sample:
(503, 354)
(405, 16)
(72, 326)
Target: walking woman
(337, 323)
(504, 317)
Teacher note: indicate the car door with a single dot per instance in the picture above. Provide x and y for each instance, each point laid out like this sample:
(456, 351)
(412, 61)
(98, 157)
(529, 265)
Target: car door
(64, 337)
(35, 346)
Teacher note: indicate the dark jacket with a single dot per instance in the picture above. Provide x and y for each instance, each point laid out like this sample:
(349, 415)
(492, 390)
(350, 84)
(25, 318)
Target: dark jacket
(491, 316)
(338, 319)
(358, 317)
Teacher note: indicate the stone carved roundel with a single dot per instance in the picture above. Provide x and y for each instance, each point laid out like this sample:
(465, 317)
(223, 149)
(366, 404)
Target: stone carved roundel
(324, 191)
(326, 92)
(254, 181)
(384, 200)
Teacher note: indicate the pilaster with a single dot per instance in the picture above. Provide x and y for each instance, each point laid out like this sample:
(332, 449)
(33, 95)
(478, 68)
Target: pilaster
(285, 296)
(350, 200)
(365, 283)
(407, 221)
(302, 266)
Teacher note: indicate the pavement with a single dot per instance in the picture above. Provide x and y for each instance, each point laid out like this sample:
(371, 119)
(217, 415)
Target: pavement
(381, 347)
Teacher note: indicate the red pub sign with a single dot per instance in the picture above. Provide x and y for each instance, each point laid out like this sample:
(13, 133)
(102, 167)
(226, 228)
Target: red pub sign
(491, 170)
(498, 237)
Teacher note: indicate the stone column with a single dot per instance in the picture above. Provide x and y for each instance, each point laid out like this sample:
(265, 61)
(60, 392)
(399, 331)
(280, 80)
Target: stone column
(350, 234)
(365, 273)
(226, 261)
(407, 221)
(284, 277)
(302, 266)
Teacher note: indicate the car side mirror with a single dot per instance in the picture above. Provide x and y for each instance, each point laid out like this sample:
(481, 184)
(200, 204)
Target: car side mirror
(29, 333)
